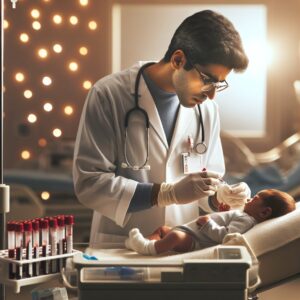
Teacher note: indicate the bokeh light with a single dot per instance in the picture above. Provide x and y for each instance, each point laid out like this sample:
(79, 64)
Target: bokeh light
(42, 142)
(92, 25)
(73, 66)
(57, 19)
(35, 13)
(5, 24)
(68, 110)
(25, 154)
(42, 53)
(87, 84)
(48, 107)
(83, 50)
(27, 94)
(73, 20)
(47, 80)
(24, 37)
(84, 2)
(57, 48)
(57, 132)
(45, 195)
(36, 25)
(32, 118)
(20, 77)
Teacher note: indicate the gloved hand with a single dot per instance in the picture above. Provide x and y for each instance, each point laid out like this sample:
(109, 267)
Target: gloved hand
(188, 189)
(234, 195)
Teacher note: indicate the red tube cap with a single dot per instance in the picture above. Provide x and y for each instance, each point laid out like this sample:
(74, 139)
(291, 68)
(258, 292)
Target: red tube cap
(69, 220)
(28, 226)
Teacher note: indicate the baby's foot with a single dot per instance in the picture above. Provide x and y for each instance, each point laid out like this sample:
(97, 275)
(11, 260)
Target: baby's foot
(138, 243)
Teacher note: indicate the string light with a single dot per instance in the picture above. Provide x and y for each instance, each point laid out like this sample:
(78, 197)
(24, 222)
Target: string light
(46, 80)
(57, 19)
(19, 77)
(25, 154)
(92, 25)
(24, 37)
(87, 84)
(36, 25)
(84, 2)
(68, 110)
(73, 20)
(42, 142)
(32, 118)
(27, 94)
(83, 50)
(42, 53)
(48, 107)
(45, 195)
(57, 132)
(73, 66)
(57, 48)
(35, 13)
(5, 24)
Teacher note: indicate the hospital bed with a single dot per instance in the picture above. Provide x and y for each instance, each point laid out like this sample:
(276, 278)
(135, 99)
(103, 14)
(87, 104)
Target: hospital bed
(274, 244)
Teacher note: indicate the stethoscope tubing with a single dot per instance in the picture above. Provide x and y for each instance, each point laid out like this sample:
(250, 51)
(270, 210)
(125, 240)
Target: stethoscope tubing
(200, 148)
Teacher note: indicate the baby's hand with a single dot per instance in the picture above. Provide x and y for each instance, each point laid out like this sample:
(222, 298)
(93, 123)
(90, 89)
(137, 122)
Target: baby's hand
(203, 220)
(223, 207)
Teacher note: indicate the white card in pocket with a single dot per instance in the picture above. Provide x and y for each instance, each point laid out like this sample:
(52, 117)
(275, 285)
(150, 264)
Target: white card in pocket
(191, 162)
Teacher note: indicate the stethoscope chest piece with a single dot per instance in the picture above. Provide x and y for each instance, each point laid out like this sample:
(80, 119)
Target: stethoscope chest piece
(200, 148)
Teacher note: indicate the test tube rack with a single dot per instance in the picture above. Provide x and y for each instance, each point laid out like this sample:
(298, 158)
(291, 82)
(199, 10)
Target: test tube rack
(16, 284)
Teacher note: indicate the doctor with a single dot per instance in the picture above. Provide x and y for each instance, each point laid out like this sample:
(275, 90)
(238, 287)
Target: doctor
(138, 174)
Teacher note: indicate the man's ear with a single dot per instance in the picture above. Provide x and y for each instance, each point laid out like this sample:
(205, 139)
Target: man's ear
(178, 59)
(265, 213)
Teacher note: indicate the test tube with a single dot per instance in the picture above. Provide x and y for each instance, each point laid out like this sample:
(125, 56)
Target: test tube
(19, 248)
(28, 246)
(61, 239)
(36, 244)
(44, 224)
(11, 248)
(53, 242)
(69, 220)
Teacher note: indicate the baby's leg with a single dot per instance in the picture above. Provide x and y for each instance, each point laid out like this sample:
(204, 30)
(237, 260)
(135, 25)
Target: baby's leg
(159, 233)
(175, 240)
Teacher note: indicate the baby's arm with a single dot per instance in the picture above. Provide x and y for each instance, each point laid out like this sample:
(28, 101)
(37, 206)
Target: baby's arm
(217, 233)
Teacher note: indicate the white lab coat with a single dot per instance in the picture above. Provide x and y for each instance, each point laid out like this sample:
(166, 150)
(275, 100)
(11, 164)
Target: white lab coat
(102, 185)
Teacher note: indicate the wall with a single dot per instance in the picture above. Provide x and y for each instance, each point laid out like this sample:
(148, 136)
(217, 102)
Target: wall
(282, 107)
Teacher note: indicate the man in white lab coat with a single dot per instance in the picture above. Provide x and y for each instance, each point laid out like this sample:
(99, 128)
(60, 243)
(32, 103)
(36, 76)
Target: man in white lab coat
(131, 182)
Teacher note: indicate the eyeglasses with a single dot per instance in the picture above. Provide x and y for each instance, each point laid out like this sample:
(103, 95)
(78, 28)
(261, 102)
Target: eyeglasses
(210, 83)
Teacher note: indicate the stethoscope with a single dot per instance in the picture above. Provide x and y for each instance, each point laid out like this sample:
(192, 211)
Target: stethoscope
(199, 148)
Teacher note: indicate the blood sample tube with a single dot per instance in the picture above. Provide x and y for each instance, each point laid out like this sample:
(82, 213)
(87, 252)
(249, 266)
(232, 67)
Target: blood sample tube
(61, 239)
(53, 242)
(28, 247)
(11, 236)
(19, 248)
(44, 224)
(69, 221)
(36, 244)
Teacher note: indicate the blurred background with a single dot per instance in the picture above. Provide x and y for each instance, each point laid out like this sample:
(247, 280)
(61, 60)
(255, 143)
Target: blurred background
(54, 51)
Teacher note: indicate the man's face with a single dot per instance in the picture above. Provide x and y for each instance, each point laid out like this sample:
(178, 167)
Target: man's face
(190, 87)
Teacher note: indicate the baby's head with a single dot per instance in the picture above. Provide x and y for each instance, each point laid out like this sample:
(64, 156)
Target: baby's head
(268, 204)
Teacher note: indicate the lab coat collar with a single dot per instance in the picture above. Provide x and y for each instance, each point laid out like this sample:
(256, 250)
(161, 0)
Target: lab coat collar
(147, 103)
(184, 118)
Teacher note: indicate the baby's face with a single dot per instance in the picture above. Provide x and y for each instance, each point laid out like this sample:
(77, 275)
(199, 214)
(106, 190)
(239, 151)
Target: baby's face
(255, 204)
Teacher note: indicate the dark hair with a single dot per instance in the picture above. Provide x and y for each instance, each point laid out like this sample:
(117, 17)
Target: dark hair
(208, 38)
(280, 202)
